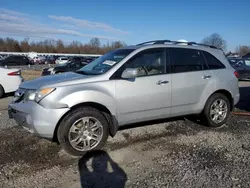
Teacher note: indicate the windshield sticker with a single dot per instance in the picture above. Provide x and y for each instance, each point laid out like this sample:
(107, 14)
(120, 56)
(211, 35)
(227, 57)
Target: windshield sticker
(109, 62)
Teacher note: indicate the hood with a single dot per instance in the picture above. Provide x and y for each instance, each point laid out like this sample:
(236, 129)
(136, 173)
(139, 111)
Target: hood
(52, 80)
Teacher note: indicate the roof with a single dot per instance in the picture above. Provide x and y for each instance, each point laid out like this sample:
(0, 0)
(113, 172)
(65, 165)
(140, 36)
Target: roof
(168, 43)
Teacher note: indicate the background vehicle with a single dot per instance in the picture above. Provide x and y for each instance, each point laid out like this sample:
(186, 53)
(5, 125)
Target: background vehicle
(50, 60)
(15, 60)
(128, 85)
(10, 79)
(61, 60)
(39, 60)
(242, 65)
(70, 66)
(233, 61)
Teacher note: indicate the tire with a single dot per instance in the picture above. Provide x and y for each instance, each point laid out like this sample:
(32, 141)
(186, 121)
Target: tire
(67, 124)
(59, 72)
(1, 92)
(207, 118)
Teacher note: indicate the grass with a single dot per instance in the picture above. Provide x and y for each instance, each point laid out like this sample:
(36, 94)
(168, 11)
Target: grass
(31, 74)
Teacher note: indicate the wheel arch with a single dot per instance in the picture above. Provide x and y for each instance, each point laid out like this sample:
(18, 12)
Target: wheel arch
(112, 121)
(1, 87)
(227, 94)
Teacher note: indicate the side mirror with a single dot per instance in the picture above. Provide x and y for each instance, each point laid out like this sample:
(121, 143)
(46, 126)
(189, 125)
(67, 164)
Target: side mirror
(129, 73)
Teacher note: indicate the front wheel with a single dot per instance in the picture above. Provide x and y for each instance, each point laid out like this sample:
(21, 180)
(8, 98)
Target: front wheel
(216, 111)
(82, 130)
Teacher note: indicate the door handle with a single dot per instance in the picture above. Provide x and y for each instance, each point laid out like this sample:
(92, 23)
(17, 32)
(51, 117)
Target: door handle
(162, 82)
(206, 76)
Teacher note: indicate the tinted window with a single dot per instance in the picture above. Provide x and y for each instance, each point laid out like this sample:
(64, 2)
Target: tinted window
(76, 65)
(213, 62)
(186, 60)
(10, 58)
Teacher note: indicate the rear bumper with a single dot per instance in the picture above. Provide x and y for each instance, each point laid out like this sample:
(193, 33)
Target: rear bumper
(35, 118)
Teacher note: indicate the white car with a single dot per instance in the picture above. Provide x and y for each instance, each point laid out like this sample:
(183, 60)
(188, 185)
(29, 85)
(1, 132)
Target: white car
(10, 79)
(62, 60)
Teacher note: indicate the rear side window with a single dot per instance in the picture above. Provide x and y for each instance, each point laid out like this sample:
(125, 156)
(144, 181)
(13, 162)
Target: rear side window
(213, 62)
(247, 62)
(186, 60)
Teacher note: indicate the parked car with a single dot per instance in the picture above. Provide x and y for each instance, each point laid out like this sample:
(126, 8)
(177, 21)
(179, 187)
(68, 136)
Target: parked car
(14, 60)
(70, 66)
(39, 60)
(242, 65)
(234, 60)
(75, 58)
(10, 79)
(61, 60)
(148, 81)
(50, 60)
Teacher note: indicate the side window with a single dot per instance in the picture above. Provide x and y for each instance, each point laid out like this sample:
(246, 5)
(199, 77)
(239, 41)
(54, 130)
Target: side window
(72, 65)
(186, 60)
(247, 62)
(213, 62)
(148, 62)
(77, 65)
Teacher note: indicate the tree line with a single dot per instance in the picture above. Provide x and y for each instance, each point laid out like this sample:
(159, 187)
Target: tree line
(216, 40)
(94, 46)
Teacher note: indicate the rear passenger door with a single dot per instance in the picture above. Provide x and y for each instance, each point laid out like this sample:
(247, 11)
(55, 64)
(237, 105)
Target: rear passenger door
(190, 79)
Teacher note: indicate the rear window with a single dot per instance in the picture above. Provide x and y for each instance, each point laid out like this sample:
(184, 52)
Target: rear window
(213, 62)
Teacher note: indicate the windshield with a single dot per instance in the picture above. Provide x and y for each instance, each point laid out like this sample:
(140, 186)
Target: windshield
(105, 62)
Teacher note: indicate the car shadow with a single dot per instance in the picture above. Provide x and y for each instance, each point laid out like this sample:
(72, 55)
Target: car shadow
(151, 122)
(101, 172)
(244, 103)
(6, 95)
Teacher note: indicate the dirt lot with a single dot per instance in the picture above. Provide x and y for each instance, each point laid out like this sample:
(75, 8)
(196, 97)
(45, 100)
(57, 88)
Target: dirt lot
(30, 74)
(164, 154)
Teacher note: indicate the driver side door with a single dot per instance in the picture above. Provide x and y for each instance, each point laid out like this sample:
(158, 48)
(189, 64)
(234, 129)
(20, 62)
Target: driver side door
(148, 96)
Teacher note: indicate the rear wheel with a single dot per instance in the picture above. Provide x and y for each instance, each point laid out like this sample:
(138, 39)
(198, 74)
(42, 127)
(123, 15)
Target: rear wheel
(1, 91)
(82, 130)
(216, 111)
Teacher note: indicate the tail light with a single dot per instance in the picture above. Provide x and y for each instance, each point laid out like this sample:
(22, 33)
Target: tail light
(236, 74)
(15, 73)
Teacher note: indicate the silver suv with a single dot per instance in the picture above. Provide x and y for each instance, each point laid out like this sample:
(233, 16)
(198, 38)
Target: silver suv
(148, 81)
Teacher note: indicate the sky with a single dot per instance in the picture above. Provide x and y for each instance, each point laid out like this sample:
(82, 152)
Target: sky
(131, 21)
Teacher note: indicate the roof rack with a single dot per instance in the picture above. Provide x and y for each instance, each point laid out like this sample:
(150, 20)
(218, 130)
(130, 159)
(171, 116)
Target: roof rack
(176, 42)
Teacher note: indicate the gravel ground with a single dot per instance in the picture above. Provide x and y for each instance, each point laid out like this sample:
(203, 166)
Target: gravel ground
(165, 154)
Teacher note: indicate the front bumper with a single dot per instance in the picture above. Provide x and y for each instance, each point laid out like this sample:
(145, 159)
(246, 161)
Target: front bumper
(35, 118)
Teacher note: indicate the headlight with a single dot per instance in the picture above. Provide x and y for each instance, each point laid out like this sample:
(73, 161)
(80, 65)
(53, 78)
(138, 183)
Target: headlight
(39, 94)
